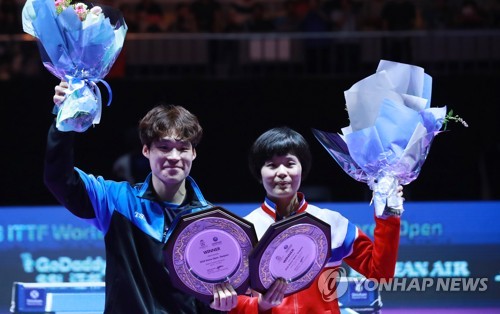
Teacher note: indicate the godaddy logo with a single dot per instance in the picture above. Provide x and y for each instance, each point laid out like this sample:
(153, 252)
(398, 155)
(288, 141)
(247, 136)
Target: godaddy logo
(331, 285)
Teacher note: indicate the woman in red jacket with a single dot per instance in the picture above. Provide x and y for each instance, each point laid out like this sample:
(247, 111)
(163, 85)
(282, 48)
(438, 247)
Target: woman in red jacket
(280, 159)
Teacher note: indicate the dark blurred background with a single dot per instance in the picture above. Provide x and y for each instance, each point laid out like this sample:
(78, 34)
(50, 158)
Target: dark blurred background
(243, 66)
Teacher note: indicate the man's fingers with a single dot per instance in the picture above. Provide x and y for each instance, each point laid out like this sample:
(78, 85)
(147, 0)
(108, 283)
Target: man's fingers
(216, 302)
(216, 297)
(225, 297)
(234, 295)
(60, 92)
(230, 296)
(58, 99)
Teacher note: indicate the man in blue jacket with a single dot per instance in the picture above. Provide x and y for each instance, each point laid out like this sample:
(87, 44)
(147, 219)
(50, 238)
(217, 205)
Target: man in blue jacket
(135, 219)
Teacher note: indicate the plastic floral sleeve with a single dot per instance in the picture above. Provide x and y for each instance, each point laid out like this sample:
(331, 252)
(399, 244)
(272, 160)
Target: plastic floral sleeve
(79, 45)
(391, 130)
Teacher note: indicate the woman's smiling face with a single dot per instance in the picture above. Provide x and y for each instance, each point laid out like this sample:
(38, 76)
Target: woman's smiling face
(281, 177)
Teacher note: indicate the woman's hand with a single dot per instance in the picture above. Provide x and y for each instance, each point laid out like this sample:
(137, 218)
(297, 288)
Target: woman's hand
(274, 295)
(394, 205)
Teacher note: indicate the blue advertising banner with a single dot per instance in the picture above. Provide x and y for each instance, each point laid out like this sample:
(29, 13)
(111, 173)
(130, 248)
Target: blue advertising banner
(437, 223)
(38, 228)
(47, 244)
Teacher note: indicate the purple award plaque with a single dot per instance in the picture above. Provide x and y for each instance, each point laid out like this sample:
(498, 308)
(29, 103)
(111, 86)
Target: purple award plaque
(209, 247)
(295, 249)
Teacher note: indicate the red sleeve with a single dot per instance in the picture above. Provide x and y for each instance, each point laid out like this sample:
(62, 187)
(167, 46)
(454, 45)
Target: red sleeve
(377, 259)
(246, 305)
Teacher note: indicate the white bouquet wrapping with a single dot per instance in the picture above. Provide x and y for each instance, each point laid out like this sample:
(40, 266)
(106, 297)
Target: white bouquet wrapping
(391, 130)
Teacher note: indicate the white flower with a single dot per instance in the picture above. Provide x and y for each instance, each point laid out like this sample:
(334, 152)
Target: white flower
(96, 10)
(80, 7)
(93, 17)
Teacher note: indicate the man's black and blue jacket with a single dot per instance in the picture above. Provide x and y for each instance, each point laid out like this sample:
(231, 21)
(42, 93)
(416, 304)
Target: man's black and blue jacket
(135, 225)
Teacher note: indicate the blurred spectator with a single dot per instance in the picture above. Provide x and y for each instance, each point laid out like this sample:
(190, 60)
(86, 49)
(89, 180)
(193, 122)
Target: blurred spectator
(185, 21)
(399, 15)
(286, 15)
(240, 14)
(437, 14)
(310, 16)
(132, 165)
(130, 16)
(302, 8)
(10, 17)
(494, 9)
(470, 16)
(260, 21)
(150, 16)
(19, 59)
(208, 15)
(370, 16)
(287, 20)
(317, 50)
(343, 16)
(5, 63)
(315, 19)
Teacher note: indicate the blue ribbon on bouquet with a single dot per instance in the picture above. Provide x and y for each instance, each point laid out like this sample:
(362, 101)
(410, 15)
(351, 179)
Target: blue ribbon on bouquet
(82, 106)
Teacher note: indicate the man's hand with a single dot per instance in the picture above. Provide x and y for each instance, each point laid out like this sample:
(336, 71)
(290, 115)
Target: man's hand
(60, 93)
(274, 295)
(225, 297)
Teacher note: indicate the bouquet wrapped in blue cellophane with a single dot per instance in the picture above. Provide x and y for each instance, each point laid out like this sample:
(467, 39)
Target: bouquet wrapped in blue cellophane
(391, 130)
(78, 45)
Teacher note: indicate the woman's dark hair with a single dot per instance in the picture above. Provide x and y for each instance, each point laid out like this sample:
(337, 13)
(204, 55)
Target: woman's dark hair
(279, 141)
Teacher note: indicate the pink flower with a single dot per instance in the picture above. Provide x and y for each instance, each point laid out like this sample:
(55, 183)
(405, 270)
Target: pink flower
(80, 7)
(81, 10)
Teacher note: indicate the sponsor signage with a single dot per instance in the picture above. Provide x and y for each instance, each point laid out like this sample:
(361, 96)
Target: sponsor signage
(47, 244)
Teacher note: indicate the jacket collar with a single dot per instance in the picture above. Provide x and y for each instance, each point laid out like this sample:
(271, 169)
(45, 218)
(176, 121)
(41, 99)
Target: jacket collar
(270, 208)
(194, 194)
